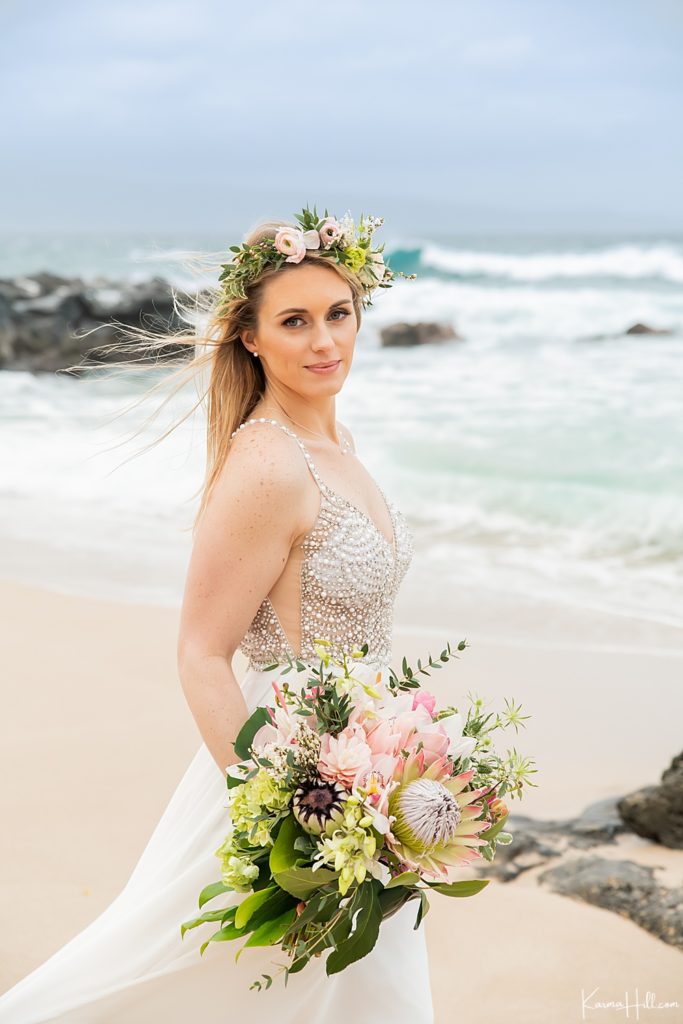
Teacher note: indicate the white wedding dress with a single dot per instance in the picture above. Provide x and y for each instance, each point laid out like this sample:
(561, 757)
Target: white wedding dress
(130, 965)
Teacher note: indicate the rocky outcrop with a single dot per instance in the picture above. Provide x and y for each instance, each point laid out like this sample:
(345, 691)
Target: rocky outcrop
(644, 329)
(43, 318)
(404, 334)
(633, 329)
(656, 812)
(537, 840)
(624, 887)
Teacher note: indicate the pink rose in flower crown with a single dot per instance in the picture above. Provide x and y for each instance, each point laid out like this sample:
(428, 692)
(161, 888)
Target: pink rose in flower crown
(293, 242)
(330, 232)
(342, 756)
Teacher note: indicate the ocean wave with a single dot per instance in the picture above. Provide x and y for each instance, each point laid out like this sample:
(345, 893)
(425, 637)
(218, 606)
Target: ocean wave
(627, 262)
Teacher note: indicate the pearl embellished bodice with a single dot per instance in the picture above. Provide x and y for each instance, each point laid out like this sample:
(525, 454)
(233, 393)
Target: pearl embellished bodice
(349, 578)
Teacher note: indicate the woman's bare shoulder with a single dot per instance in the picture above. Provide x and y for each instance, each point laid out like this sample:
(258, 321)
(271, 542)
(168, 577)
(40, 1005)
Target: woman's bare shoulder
(347, 434)
(262, 452)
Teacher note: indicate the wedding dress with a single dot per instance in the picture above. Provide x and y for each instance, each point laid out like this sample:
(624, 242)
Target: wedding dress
(130, 965)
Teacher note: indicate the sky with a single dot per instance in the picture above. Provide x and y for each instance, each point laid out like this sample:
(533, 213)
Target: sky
(203, 115)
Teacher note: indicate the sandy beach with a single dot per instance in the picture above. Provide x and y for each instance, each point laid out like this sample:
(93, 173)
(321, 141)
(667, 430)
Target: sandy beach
(96, 735)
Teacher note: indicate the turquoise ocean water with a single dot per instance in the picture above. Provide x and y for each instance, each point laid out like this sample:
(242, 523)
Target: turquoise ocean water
(530, 457)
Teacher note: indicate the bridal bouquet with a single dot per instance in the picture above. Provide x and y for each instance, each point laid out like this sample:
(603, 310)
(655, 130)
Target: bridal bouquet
(352, 798)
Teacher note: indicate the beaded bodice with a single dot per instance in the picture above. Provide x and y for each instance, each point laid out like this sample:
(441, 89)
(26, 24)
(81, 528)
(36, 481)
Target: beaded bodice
(349, 578)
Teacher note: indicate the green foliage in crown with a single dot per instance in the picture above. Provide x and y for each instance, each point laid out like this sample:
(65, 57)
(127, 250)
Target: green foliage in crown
(341, 241)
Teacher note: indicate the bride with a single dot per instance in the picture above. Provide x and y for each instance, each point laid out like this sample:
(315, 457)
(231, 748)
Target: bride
(293, 541)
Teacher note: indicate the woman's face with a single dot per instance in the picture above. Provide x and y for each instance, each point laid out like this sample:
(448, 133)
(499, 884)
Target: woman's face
(306, 317)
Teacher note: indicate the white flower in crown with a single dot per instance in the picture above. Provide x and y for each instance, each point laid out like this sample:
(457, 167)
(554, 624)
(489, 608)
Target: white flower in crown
(348, 230)
(377, 264)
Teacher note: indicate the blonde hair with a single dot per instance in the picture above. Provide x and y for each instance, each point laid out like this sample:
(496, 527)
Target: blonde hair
(236, 381)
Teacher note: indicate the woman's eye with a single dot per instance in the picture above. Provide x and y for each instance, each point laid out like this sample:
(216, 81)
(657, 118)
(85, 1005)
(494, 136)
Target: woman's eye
(344, 313)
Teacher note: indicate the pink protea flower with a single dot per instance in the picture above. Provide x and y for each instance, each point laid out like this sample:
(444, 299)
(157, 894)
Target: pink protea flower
(434, 817)
(342, 756)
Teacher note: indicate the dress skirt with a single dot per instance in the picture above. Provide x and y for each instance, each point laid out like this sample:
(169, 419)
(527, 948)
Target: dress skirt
(132, 965)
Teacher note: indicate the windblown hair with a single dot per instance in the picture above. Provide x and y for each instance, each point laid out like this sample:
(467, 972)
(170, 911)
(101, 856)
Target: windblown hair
(234, 380)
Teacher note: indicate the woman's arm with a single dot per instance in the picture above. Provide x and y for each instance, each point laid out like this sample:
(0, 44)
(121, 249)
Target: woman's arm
(241, 545)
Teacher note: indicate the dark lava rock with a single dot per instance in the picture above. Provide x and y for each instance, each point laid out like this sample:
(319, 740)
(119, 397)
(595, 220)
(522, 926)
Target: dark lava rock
(536, 840)
(644, 329)
(49, 322)
(623, 887)
(656, 812)
(634, 329)
(402, 335)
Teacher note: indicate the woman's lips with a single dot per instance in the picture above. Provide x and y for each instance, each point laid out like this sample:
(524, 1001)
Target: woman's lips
(326, 368)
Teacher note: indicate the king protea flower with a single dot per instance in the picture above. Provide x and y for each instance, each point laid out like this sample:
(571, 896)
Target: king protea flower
(434, 824)
(317, 804)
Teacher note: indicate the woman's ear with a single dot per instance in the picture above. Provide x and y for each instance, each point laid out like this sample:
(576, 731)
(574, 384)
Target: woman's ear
(248, 340)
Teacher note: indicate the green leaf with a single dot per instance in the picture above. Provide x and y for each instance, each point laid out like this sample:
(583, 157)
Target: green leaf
(246, 734)
(210, 915)
(212, 890)
(303, 882)
(494, 830)
(223, 935)
(470, 887)
(364, 937)
(271, 931)
(251, 904)
(423, 908)
(405, 878)
(283, 854)
(391, 900)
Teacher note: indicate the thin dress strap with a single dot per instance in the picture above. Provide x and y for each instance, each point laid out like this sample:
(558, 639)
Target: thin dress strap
(311, 465)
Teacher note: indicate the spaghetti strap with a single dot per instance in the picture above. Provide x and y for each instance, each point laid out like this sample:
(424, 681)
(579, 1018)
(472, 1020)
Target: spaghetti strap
(311, 465)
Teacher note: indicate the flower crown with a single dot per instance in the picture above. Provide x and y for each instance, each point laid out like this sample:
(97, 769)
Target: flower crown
(341, 241)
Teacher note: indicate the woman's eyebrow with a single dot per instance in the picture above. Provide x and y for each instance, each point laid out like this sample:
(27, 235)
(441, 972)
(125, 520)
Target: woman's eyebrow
(301, 310)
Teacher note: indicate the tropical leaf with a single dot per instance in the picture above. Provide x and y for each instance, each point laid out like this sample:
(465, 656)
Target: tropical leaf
(251, 904)
(492, 832)
(270, 932)
(212, 890)
(246, 734)
(210, 915)
(223, 935)
(364, 937)
(283, 854)
(468, 887)
(405, 878)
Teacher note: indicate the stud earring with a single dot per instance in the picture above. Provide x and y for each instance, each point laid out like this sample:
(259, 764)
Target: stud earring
(255, 355)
